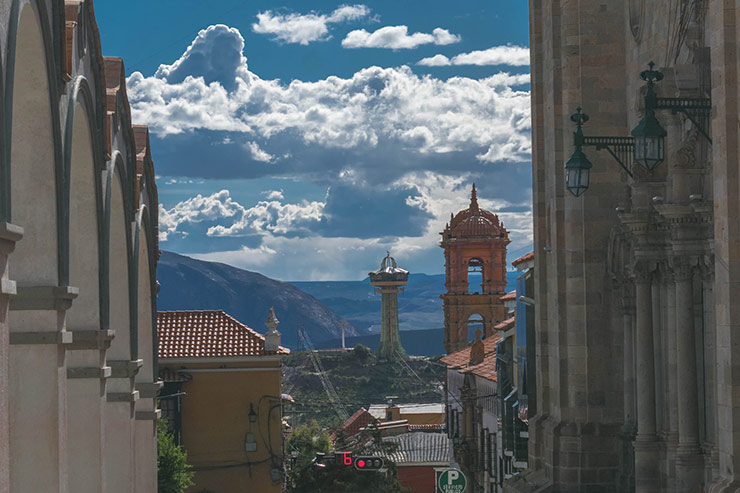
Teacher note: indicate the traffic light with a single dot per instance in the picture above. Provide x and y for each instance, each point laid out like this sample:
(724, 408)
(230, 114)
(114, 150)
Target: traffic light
(368, 463)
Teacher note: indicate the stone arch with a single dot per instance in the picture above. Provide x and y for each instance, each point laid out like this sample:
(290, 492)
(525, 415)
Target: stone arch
(118, 265)
(473, 321)
(476, 282)
(83, 198)
(144, 302)
(32, 199)
(33, 150)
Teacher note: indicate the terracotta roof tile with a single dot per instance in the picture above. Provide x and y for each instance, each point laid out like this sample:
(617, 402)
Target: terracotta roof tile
(523, 258)
(359, 419)
(460, 360)
(510, 296)
(505, 324)
(207, 334)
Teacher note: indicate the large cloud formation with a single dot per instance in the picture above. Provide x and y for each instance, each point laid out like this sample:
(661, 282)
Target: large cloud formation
(396, 153)
(375, 108)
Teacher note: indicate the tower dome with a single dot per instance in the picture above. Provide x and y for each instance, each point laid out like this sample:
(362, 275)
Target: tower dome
(475, 222)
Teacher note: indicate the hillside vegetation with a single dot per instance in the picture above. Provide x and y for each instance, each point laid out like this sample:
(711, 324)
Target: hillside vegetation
(360, 380)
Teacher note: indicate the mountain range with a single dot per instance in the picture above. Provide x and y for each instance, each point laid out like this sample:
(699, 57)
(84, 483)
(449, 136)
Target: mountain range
(320, 307)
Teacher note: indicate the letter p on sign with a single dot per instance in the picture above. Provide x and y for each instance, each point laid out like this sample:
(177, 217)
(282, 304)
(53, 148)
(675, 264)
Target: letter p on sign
(452, 477)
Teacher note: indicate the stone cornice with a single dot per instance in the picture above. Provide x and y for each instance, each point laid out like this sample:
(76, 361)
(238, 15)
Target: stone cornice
(122, 396)
(148, 415)
(125, 368)
(43, 297)
(149, 390)
(89, 372)
(92, 339)
(48, 337)
(9, 235)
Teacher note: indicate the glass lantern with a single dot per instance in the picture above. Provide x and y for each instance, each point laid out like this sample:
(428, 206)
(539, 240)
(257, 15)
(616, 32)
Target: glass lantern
(577, 172)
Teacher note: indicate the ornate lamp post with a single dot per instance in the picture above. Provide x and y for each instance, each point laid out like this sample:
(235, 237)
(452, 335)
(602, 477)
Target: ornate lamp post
(646, 146)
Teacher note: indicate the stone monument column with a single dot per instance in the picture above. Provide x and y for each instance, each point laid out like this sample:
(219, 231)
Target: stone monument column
(689, 463)
(646, 445)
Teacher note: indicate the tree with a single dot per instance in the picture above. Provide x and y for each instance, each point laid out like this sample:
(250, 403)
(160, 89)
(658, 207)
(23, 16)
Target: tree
(362, 353)
(173, 471)
(306, 477)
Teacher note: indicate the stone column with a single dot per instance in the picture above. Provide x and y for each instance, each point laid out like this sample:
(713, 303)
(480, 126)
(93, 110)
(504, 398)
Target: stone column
(9, 235)
(655, 288)
(689, 462)
(627, 433)
(646, 445)
(671, 419)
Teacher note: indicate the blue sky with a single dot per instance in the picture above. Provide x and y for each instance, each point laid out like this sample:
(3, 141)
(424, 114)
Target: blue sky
(304, 139)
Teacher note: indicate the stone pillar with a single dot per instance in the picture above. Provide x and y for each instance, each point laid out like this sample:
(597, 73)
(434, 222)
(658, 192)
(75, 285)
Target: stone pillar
(689, 462)
(657, 312)
(38, 394)
(671, 420)
(9, 235)
(627, 433)
(646, 445)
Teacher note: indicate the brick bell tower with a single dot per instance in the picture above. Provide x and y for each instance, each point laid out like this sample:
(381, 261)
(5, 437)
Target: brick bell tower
(474, 243)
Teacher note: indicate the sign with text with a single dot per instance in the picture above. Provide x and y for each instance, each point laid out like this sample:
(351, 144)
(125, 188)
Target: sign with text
(451, 481)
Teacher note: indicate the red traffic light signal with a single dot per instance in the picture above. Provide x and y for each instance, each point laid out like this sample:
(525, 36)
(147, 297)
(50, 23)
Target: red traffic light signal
(368, 463)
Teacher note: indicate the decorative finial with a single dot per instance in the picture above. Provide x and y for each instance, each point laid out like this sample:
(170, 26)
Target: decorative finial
(272, 337)
(272, 321)
(474, 200)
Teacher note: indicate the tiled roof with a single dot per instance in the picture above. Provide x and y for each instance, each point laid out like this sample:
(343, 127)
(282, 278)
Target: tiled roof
(378, 410)
(523, 258)
(460, 360)
(207, 334)
(505, 324)
(510, 296)
(436, 427)
(360, 419)
(416, 447)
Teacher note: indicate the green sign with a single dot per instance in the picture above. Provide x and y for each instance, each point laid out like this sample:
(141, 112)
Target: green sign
(452, 481)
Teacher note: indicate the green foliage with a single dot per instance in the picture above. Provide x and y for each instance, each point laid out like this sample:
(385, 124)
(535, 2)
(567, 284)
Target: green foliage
(362, 353)
(305, 477)
(358, 384)
(173, 471)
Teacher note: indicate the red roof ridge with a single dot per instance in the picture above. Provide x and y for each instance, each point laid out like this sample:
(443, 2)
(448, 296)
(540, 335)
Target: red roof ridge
(523, 258)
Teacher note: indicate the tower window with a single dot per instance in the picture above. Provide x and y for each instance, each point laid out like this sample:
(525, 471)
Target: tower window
(475, 276)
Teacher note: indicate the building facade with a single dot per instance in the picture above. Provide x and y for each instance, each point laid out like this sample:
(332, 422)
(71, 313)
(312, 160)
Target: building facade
(515, 382)
(474, 244)
(78, 253)
(222, 399)
(472, 413)
(635, 282)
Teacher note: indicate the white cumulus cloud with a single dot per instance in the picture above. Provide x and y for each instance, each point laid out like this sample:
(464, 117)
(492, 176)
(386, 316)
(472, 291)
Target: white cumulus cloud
(397, 38)
(267, 216)
(516, 56)
(305, 28)
(376, 105)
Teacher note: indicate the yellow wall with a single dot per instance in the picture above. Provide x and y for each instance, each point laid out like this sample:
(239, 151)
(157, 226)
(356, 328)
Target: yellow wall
(215, 422)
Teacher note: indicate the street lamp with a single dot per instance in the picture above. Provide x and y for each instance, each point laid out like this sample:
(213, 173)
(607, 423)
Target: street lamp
(649, 135)
(646, 146)
(578, 167)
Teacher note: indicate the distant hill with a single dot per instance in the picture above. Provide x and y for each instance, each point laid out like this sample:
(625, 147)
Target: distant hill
(419, 306)
(190, 284)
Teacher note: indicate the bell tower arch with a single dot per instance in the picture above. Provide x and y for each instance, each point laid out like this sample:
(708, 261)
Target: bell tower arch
(474, 244)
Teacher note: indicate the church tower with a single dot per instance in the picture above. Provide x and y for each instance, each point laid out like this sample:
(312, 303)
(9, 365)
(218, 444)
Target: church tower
(389, 281)
(474, 244)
